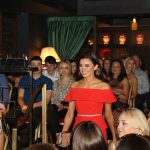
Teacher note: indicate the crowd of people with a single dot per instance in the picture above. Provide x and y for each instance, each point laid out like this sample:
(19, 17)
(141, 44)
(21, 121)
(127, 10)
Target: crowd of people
(102, 105)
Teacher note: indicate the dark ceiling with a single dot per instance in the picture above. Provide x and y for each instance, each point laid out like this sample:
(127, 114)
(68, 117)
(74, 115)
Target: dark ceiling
(104, 8)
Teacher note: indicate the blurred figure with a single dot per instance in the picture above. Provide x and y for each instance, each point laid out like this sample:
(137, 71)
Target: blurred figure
(148, 118)
(88, 136)
(42, 147)
(133, 142)
(120, 86)
(105, 72)
(123, 58)
(147, 115)
(133, 120)
(143, 85)
(51, 68)
(101, 62)
(4, 92)
(4, 98)
(73, 66)
(14, 81)
(129, 64)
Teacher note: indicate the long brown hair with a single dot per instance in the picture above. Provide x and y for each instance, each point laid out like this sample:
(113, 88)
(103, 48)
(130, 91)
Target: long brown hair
(88, 136)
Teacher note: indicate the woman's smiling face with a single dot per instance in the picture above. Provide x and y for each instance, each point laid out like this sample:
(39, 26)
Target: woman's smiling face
(87, 67)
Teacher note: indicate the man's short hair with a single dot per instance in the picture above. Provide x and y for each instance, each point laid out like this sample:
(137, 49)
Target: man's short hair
(50, 60)
(36, 58)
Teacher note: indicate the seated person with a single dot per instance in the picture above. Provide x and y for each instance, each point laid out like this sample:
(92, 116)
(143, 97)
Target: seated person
(88, 136)
(3, 102)
(4, 92)
(24, 92)
(61, 86)
(51, 68)
(133, 142)
(60, 89)
(131, 121)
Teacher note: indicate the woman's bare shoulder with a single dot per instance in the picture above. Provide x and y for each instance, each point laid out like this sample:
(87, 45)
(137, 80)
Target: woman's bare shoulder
(75, 84)
(104, 85)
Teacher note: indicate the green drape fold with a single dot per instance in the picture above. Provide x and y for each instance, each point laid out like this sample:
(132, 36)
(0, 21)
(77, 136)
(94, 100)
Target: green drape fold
(67, 34)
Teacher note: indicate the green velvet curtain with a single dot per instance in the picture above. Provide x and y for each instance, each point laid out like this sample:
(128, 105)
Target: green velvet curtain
(67, 34)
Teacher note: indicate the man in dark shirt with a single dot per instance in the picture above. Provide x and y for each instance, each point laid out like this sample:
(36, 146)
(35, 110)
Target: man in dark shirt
(24, 95)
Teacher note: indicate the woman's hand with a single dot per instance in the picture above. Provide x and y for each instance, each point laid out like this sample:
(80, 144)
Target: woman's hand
(113, 145)
(65, 139)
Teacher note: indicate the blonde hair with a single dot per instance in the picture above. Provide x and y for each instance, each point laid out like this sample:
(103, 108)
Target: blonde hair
(137, 120)
(127, 59)
(69, 65)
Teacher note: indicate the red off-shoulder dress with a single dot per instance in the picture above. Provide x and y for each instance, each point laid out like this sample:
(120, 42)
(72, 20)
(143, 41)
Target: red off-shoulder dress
(90, 102)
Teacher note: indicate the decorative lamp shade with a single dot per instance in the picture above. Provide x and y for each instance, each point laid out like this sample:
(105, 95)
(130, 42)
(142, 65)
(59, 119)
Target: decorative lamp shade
(106, 39)
(140, 38)
(122, 39)
(49, 51)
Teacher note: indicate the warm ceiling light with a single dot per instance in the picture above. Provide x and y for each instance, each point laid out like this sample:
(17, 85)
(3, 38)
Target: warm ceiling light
(90, 42)
(134, 24)
(49, 51)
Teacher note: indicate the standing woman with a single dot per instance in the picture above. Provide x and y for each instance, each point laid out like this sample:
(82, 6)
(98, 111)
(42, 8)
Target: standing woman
(129, 64)
(88, 96)
(120, 86)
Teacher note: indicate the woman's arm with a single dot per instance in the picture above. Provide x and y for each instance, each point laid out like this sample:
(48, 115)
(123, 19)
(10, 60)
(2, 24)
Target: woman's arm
(110, 119)
(135, 88)
(123, 96)
(69, 116)
(67, 123)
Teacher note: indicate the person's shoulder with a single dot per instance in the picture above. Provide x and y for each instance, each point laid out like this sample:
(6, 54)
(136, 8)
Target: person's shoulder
(46, 78)
(25, 77)
(103, 85)
(74, 84)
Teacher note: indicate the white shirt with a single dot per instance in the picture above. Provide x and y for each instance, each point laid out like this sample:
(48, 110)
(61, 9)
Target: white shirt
(54, 77)
(143, 81)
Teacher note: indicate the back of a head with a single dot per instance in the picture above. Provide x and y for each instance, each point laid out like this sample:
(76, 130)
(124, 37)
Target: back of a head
(137, 120)
(133, 142)
(42, 147)
(88, 136)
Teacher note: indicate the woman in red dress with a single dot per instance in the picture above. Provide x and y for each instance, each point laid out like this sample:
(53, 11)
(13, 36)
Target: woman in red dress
(89, 95)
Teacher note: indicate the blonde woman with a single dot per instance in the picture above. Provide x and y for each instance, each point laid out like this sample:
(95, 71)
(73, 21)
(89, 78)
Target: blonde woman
(131, 121)
(60, 89)
(134, 121)
(129, 64)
